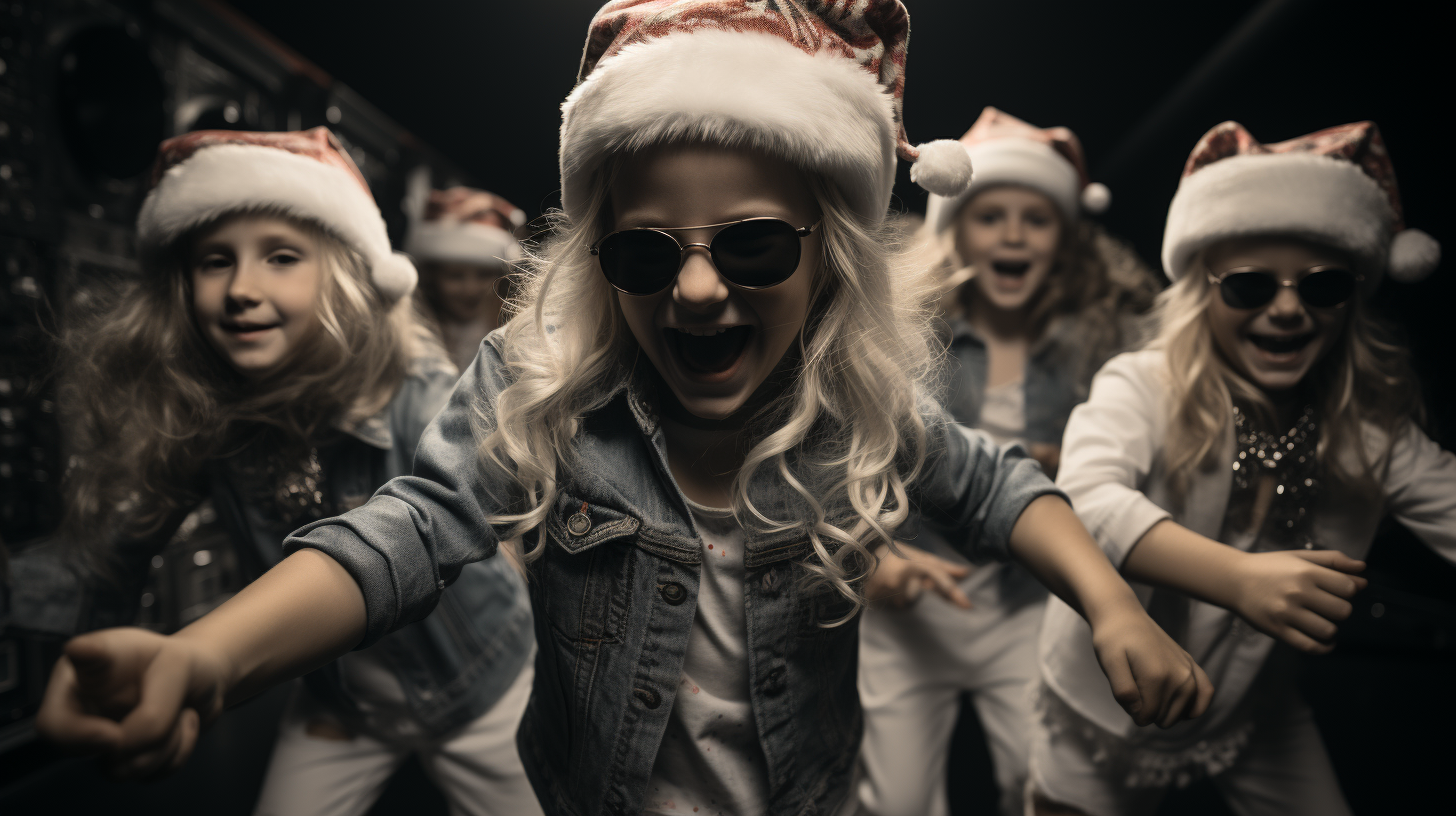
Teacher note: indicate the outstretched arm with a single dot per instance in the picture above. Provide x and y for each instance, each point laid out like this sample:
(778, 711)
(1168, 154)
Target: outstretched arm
(141, 698)
(1152, 677)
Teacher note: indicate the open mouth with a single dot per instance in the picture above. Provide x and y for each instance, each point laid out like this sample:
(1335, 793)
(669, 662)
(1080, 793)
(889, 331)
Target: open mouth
(237, 327)
(1013, 269)
(1282, 344)
(709, 351)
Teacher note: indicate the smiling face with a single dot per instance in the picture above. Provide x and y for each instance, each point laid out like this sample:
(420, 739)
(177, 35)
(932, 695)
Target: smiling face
(1009, 235)
(255, 289)
(712, 342)
(1273, 346)
(463, 292)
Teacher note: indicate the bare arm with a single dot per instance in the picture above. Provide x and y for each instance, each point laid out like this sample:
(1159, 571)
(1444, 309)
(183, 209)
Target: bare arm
(1151, 676)
(141, 698)
(1296, 596)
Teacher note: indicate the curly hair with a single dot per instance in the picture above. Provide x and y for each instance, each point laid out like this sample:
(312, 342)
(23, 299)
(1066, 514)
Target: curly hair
(847, 436)
(146, 401)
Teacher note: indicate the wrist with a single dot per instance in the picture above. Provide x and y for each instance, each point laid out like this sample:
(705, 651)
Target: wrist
(214, 674)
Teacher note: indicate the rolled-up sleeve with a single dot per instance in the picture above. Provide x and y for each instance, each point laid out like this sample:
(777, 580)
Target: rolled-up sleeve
(414, 535)
(974, 491)
(1108, 452)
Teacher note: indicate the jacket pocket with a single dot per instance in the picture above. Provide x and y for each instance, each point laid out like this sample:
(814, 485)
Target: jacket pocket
(585, 573)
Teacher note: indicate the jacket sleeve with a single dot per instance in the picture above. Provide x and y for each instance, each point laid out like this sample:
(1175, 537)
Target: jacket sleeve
(1420, 487)
(974, 491)
(416, 533)
(1108, 451)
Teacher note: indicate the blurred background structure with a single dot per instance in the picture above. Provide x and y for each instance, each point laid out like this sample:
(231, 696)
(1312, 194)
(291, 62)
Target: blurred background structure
(471, 91)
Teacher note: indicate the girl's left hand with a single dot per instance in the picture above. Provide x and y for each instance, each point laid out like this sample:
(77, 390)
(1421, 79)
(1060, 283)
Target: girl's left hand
(1152, 677)
(899, 579)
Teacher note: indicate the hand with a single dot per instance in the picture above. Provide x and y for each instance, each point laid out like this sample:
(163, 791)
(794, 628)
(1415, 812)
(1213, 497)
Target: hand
(899, 579)
(137, 697)
(1152, 677)
(1297, 596)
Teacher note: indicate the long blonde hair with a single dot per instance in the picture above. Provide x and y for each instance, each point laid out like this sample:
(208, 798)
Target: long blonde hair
(1096, 281)
(1365, 381)
(147, 401)
(846, 437)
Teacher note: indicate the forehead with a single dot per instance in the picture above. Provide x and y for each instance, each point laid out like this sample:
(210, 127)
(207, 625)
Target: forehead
(695, 183)
(1009, 196)
(251, 227)
(1274, 252)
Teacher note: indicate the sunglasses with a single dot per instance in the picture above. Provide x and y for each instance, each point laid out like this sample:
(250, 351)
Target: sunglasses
(752, 253)
(1322, 287)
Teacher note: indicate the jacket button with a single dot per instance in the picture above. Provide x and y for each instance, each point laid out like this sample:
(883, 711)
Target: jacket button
(673, 593)
(773, 684)
(579, 524)
(648, 697)
(768, 580)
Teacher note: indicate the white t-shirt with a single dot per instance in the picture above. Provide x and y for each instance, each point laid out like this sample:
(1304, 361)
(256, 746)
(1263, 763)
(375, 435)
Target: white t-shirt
(1003, 412)
(710, 761)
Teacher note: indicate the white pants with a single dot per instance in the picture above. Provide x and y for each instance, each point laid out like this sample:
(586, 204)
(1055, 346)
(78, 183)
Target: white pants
(1284, 771)
(914, 665)
(477, 768)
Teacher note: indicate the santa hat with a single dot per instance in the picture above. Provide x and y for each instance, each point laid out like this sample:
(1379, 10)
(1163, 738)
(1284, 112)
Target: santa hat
(1335, 187)
(469, 226)
(1006, 150)
(202, 176)
(818, 83)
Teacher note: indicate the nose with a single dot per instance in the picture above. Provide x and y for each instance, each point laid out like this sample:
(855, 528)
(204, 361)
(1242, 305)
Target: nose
(1013, 231)
(243, 288)
(1286, 305)
(698, 286)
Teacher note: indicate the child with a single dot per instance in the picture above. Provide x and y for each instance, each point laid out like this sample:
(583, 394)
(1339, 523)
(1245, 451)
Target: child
(270, 359)
(1037, 299)
(705, 413)
(466, 249)
(1239, 468)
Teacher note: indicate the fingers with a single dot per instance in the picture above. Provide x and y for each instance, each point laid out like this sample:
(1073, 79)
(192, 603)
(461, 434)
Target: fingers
(1328, 606)
(1124, 687)
(944, 585)
(163, 692)
(157, 762)
(1301, 640)
(1204, 696)
(62, 718)
(1334, 559)
(1339, 583)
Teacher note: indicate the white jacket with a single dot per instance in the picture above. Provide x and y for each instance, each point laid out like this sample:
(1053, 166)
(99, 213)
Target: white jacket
(1112, 470)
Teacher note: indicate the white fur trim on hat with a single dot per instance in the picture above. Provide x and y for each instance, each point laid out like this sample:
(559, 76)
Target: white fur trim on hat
(225, 178)
(824, 113)
(1011, 160)
(482, 244)
(1303, 195)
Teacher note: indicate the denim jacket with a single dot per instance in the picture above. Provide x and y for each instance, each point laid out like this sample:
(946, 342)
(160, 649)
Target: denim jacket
(615, 589)
(452, 666)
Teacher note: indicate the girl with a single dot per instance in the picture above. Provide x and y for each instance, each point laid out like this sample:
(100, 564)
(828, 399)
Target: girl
(1238, 468)
(706, 411)
(467, 250)
(1037, 297)
(270, 360)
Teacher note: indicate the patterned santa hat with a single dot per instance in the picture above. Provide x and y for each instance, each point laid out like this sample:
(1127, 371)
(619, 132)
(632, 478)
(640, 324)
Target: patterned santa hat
(1006, 150)
(202, 176)
(818, 83)
(1335, 187)
(469, 226)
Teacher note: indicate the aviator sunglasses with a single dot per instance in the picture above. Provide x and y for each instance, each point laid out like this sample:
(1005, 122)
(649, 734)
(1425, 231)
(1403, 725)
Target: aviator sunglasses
(751, 253)
(1322, 287)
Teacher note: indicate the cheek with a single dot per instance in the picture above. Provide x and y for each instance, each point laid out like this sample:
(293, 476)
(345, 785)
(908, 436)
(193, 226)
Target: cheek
(974, 243)
(638, 314)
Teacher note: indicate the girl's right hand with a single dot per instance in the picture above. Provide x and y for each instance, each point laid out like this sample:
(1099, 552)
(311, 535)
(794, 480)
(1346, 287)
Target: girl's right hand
(138, 698)
(1297, 596)
(1154, 680)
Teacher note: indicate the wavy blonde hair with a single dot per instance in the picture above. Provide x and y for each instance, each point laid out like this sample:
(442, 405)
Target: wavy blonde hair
(847, 436)
(147, 401)
(1096, 280)
(1366, 380)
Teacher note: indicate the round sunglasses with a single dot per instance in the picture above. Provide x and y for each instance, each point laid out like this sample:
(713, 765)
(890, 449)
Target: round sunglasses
(1323, 287)
(751, 253)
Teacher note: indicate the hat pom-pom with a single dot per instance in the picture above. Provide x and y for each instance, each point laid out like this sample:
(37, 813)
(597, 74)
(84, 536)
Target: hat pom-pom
(944, 168)
(1096, 197)
(1413, 255)
(394, 276)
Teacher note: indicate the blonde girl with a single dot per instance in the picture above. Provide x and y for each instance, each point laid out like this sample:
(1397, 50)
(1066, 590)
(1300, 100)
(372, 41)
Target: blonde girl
(1237, 470)
(1036, 297)
(706, 411)
(269, 360)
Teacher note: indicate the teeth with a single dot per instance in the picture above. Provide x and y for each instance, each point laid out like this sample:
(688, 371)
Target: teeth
(703, 332)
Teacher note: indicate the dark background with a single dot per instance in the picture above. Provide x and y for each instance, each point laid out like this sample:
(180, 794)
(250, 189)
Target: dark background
(474, 88)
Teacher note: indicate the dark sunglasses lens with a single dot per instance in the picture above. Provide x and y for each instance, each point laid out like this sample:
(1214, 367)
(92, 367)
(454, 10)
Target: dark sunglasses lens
(1327, 287)
(641, 262)
(1248, 290)
(757, 253)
